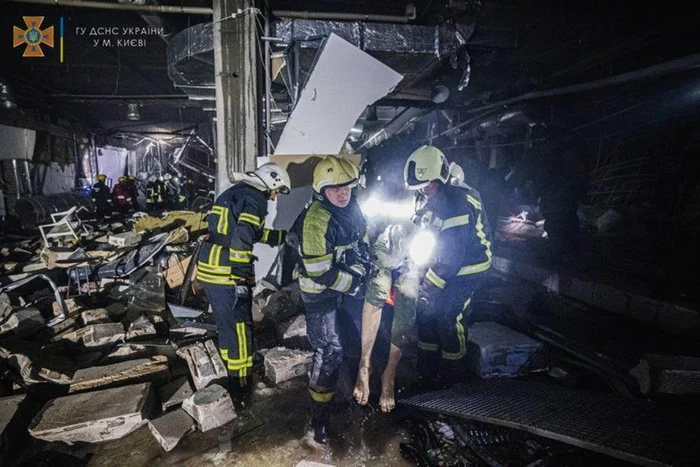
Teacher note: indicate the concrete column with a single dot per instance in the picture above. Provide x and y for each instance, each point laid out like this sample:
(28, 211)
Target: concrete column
(235, 66)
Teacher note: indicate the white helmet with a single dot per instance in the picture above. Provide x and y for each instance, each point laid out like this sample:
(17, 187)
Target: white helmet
(427, 163)
(167, 176)
(273, 177)
(456, 173)
(152, 178)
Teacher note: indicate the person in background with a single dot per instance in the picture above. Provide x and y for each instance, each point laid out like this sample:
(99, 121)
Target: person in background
(121, 196)
(132, 183)
(101, 197)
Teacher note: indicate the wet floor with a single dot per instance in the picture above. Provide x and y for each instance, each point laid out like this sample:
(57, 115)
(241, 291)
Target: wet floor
(270, 433)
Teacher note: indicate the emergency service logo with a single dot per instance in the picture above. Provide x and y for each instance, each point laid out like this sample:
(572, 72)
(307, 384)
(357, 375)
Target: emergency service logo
(34, 37)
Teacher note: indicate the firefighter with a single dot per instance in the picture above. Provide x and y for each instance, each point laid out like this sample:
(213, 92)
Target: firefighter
(179, 196)
(154, 194)
(101, 197)
(225, 266)
(132, 183)
(169, 191)
(462, 255)
(331, 232)
(121, 197)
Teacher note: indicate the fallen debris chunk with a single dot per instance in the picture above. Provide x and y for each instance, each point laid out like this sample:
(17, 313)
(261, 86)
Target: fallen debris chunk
(154, 370)
(172, 394)
(495, 350)
(175, 274)
(211, 407)
(96, 335)
(94, 416)
(204, 362)
(141, 327)
(125, 239)
(668, 374)
(283, 364)
(22, 323)
(292, 333)
(283, 304)
(171, 428)
(127, 352)
(96, 316)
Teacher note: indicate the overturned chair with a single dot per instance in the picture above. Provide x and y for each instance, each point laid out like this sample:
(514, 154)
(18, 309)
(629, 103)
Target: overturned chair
(64, 224)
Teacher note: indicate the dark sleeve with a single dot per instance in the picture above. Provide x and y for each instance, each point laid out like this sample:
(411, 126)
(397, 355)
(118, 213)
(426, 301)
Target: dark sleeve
(273, 237)
(245, 234)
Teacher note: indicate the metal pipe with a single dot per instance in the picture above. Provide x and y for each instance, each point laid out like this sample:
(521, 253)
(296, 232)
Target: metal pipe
(14, 167)
(394, 127)
(29, 178)
(267, 66)
(187, 10)
(343, 16)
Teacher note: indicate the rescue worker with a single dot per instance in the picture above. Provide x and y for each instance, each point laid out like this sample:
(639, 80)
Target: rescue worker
(330, 230)
(169, 191)
(462, 256)
(101, 197)
(154, 194)
(132, 183)
(121, 197)
(225, 266)
(178, 197)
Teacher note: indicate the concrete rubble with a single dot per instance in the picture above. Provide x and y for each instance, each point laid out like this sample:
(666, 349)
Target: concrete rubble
(154, 369)
(211, 407)
(204, 363)
(496, 350)
(283, 364)
(170, 428)
(93, 416)
(174, 393)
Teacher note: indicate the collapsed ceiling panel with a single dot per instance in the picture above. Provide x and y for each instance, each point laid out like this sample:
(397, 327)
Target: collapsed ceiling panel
(342, 83)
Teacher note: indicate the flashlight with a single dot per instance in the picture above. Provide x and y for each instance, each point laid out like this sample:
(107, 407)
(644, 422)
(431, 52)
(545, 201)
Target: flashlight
(422, 246)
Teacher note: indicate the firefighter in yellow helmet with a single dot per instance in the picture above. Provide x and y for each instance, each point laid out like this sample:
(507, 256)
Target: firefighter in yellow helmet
(225, 266)
(454, 212)
(101, 197)
(332, 235)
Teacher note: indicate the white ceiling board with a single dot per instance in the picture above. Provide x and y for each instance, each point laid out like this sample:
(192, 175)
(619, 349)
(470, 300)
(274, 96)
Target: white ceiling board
(343, 82)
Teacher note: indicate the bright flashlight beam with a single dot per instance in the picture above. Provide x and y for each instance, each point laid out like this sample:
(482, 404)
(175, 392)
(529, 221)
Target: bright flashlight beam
(375, 207)
(422, 246)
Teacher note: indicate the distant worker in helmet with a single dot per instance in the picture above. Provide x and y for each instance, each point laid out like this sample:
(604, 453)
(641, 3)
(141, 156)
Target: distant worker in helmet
(154, 194)
(236, 222)
(177, 197)
(454, 212)
(330, 230)
(132, 184)
(101, 197)
(121, 197)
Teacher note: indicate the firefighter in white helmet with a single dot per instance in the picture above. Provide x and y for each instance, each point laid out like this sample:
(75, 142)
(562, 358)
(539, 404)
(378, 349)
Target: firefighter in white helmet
(462, 255)
(225, 266)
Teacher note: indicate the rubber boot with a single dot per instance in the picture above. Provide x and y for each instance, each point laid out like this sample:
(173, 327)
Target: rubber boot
(320, 417)
(239, 389)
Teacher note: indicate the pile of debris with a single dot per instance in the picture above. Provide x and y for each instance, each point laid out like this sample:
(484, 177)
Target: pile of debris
(103, 330)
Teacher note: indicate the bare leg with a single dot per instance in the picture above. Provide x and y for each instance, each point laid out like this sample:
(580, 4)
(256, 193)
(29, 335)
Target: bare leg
(371, 317)
(386, 400)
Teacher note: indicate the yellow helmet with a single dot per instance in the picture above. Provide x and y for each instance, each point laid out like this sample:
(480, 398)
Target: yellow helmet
(121, 179)
(131, 177)
(101, 177)
(334, 172)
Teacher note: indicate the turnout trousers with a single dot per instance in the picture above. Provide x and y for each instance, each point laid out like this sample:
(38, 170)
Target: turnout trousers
(233, 312)
(442, 332)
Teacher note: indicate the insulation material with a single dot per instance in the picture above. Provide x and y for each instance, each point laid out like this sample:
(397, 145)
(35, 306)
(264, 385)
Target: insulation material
(17, 143)
(343, 82)
(111, 161)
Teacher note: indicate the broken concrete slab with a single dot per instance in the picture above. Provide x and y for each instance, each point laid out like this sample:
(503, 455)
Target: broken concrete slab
(9, 406)
(292, 333)
(283, 305)
(15, 414)
(96, 335)
(171, 428)
(127, 352)
(140, 328)
(211, 407)
(93, 417)
(124, 239)
(96, 316)
(23, 323)
(172, 394)
(282, 364)
(41, 368)
(204, 363)
(668, 374)
(495, 350)
(154, 369)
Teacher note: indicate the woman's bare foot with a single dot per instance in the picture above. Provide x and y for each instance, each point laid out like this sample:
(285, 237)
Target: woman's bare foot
(361, 392)
(386, 400)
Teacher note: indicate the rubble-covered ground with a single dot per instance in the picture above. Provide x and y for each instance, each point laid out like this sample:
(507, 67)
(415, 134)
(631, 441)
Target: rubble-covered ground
(108, 356)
